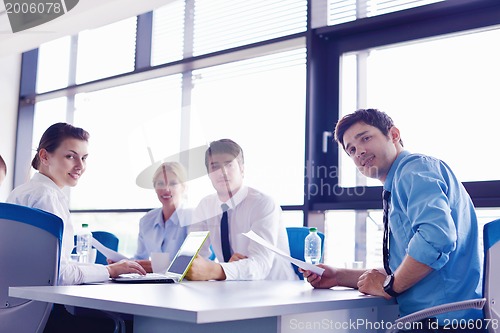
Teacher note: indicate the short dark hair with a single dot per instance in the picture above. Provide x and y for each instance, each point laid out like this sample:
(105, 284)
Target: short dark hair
(224, 146)
(54, 136)
(372, 117)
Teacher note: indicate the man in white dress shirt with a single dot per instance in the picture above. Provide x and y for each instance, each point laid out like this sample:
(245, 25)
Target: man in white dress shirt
(247, 209)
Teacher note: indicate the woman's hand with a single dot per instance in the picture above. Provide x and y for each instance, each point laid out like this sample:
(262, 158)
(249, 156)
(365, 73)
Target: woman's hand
(125, 266)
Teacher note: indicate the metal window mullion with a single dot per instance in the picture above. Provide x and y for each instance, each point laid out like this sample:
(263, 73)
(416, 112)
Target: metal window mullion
(25, 117)
(187, 80)
(70, 97)
(143, 44)
(361, 8)
(70, 102)
(361, 94)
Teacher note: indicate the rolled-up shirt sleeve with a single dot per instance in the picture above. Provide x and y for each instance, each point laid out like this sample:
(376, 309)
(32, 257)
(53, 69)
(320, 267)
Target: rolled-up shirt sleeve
(71, 273)
(434, 231)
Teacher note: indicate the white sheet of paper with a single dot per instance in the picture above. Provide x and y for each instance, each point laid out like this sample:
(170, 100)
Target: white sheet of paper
(302, 264)
(107, 252)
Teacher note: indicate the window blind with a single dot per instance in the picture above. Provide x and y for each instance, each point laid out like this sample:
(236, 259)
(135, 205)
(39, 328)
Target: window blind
(341, 11)
(223, 24)
(168, 33)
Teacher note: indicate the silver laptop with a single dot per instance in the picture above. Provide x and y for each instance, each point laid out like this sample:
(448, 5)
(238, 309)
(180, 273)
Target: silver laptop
(178, 267)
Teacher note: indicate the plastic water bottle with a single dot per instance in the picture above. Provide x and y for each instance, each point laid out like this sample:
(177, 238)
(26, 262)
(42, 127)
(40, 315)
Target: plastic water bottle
(84, 243)
(312, 247)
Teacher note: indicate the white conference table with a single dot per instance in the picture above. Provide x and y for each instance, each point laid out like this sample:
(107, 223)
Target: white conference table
(226, 306)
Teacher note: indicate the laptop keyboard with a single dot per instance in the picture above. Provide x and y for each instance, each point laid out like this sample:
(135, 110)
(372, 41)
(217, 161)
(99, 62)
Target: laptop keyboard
(147, 276)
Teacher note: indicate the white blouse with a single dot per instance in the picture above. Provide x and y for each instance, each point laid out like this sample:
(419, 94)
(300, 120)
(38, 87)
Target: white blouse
(42, 193)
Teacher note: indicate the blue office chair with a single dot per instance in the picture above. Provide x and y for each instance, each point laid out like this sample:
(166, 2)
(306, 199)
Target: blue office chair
(296, 237)
(107, 239)
(30, 243)
(491, 286)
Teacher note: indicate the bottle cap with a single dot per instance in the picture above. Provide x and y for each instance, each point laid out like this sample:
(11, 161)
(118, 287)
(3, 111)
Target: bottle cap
(313, 229)
(85, 225)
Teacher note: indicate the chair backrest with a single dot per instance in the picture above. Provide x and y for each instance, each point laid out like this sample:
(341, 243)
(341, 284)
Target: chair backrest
(30, 242)
(107, 239)
(296, 237)
(491, 285)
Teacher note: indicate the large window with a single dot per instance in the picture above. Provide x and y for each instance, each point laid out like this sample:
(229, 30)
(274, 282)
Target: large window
(433, 69)
(126, 124)
(246, 97)
(276, 81)
(248, 88)
(260, 103)
(441, 94)
(355, 237)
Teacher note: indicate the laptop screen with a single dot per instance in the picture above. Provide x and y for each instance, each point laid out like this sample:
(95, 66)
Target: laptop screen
(188, 251)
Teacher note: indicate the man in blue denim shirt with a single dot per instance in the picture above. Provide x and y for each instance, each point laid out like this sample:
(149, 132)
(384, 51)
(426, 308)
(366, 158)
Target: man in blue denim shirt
(434, 256)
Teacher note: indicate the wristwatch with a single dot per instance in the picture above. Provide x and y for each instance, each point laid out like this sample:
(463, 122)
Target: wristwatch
(388, 284)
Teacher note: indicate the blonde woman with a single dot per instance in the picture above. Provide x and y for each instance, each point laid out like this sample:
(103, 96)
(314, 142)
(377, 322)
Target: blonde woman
(164, 229)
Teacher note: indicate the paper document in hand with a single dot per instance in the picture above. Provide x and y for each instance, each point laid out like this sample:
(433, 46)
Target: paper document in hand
(107, 252)
(302, 264)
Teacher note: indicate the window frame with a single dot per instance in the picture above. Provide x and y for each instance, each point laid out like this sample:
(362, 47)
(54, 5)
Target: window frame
(325, 46)
(328, 45)
(28, 95)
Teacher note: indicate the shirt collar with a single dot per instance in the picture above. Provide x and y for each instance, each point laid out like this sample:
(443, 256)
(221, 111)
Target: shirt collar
(174, 218)
(41, 178)
(236, 199)
(392, 170)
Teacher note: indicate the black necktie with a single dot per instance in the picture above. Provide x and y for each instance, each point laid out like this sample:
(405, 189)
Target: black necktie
(385, 248)
(224, 234)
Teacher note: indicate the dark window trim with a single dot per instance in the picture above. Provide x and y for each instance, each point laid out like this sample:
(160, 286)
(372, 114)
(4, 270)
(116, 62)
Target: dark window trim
(329, 43)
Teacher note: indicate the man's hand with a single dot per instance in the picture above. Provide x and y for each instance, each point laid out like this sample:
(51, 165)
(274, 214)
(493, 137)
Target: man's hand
(325, 281)
(236, 257)
(146, 264)
(204, 270)
(372, 283)
(333, 277)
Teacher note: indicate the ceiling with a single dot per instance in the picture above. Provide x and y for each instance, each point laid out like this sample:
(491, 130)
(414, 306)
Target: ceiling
(87, 14)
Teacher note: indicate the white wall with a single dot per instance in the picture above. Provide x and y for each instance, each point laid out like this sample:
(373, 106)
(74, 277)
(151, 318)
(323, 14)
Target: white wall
(87, 14)
(10, 71)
